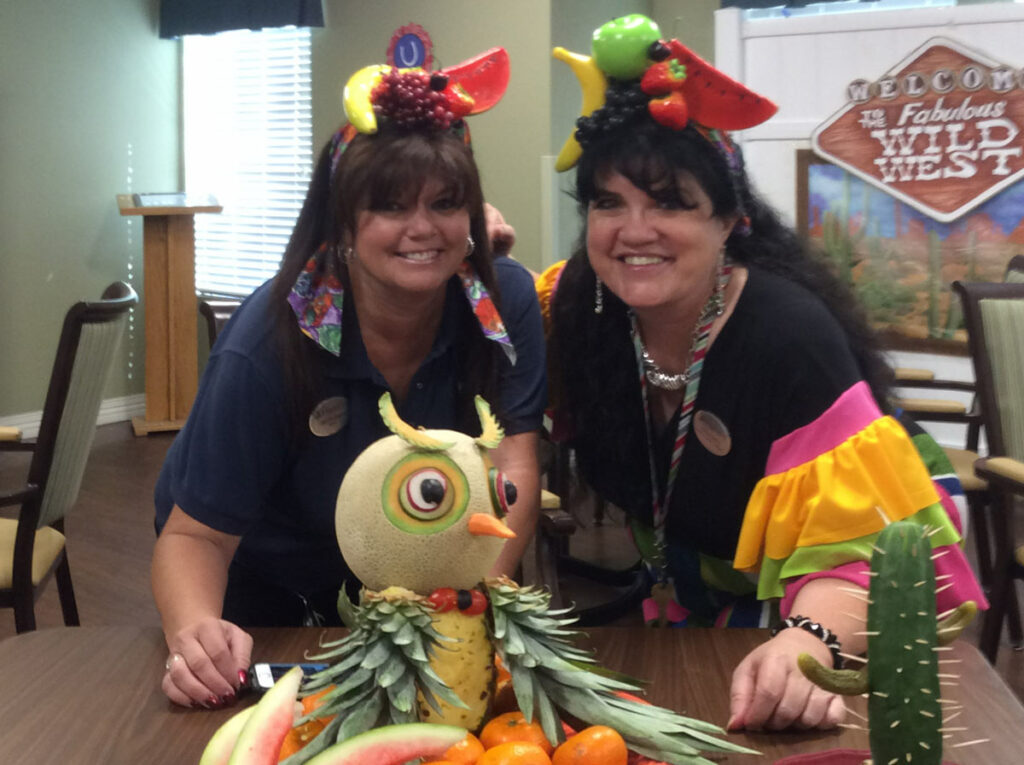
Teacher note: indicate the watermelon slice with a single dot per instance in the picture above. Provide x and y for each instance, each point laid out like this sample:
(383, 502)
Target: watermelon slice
(715, 99)
(392, 745)
(483, 77)
(259, 743)
(218, 750)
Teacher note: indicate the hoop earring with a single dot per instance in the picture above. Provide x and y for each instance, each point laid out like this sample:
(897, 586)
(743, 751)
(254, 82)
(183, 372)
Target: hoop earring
(470, 245)
(598, 296)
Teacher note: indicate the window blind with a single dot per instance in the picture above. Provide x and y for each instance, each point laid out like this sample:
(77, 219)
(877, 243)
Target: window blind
(248, 141)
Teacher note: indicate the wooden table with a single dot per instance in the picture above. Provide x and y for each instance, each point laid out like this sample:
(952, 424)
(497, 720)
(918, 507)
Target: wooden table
(92, 694)
(169, 302)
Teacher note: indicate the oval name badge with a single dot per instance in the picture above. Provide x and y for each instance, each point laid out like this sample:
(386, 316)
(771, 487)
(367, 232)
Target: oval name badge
(329, 416)
(712, 433)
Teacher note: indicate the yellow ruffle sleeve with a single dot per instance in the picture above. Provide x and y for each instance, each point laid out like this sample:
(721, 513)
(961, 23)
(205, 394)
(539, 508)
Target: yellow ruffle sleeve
(835, 496)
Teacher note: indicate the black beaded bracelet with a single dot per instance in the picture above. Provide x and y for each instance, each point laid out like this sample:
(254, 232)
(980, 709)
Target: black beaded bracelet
(824, 634)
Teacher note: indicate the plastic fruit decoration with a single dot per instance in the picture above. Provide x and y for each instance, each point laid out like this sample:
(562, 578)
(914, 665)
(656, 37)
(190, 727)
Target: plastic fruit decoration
(471, 87)
(484, 78)
(620, 46)
(592, 85)
(683, 87)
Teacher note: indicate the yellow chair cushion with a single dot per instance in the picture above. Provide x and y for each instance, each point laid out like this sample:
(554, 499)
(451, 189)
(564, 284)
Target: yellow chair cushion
(49, 543)
(963, 465)
(549, 501)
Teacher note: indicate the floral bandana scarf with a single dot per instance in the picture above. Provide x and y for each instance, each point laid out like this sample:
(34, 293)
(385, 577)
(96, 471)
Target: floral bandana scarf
(317, 300)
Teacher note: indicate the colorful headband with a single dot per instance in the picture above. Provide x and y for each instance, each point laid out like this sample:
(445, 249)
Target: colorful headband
(678, 87)
(418, 100)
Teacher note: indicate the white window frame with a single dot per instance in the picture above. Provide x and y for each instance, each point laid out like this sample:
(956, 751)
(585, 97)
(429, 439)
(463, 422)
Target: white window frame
(247, 124)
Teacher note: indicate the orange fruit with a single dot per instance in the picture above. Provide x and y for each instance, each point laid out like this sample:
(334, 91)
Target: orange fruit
(512, 726)
(440, 762)
(514, 753)
(504, 676)
(596, 745)
(299, 737)
(466, 752)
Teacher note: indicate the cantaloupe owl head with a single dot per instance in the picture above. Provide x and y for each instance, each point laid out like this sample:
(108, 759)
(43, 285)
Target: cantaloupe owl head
(423, 509)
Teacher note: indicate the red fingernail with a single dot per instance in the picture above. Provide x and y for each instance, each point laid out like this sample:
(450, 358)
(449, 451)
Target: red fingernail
(213, 701)
(243, 677)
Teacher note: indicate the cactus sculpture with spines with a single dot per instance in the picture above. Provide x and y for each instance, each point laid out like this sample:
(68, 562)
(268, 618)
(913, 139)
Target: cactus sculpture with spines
(901, 676)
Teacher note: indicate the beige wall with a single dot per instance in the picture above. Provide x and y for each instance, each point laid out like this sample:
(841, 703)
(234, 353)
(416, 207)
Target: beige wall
(509, 140)
(88, 109)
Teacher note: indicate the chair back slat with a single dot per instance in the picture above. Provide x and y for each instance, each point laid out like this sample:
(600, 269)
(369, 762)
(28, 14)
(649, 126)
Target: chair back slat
(97, 347)
(1003, 322)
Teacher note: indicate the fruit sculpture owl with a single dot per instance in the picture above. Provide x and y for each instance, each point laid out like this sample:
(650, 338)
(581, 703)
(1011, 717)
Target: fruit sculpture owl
(419, 521)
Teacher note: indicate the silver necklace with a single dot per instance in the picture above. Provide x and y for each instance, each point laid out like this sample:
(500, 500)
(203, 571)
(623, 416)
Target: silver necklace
(658, 377)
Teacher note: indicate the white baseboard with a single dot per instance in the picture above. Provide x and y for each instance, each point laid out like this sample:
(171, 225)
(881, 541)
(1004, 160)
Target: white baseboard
(111, 410)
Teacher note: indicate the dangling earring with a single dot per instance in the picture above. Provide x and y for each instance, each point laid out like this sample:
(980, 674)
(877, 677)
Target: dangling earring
(470, 245)
(598, 296)
(342, 254)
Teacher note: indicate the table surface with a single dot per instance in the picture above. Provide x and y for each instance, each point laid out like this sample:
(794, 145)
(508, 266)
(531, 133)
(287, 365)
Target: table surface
(92, 694)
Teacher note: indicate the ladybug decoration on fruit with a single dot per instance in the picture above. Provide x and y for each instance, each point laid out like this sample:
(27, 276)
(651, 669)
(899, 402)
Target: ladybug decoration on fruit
(420, 521)
(678, 86)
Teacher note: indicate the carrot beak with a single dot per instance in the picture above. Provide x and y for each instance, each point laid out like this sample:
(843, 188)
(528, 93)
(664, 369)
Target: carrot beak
(482, 524)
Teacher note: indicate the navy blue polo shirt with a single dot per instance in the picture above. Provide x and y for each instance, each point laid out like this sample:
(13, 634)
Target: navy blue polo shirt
(230, 467)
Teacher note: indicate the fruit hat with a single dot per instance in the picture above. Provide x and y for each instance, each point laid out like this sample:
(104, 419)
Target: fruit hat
(677, 87)
(415, 99)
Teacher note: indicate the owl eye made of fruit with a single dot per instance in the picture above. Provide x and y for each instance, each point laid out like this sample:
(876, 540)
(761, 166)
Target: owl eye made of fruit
(423, 509)
(418, 99)
(677, 84)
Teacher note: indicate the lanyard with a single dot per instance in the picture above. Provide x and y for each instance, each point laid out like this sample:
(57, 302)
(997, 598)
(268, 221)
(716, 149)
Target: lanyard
(662, 500)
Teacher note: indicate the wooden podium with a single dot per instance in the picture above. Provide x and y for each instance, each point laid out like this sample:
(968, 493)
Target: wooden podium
(169, 296)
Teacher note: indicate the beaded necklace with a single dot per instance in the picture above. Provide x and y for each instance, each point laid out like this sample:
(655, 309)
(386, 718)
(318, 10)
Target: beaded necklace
(662, 591)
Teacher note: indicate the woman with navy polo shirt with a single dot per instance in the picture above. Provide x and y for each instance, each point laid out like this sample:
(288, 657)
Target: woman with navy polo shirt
(387, 284)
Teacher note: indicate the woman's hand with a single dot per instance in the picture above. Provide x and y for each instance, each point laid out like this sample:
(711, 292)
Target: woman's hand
(769, 691)
(207, 663)
(190, 572)
(501, 234)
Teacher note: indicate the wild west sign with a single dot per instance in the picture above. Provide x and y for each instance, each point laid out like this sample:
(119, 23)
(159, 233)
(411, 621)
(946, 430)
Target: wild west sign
(942, 131)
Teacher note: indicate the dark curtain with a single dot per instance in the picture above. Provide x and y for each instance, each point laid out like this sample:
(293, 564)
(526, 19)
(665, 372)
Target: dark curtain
(201, 17)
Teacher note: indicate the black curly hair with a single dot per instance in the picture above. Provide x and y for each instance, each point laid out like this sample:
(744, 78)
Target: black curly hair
(592, 369)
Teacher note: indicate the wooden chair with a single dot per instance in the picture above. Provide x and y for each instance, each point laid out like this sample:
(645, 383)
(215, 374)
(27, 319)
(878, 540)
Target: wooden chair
(625, 587)
(994, 315)
(32, 547)
(216, 311)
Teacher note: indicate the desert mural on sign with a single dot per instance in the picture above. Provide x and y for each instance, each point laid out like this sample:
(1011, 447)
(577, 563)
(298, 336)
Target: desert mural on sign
(901, 262)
